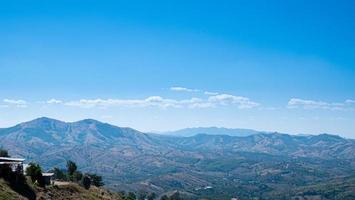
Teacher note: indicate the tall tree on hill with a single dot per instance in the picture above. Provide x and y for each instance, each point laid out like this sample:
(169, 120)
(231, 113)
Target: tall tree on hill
(71, 167)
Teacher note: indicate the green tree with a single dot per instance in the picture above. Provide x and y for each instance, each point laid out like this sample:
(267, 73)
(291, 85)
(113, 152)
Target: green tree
(86, 182)
(35, 172)
(58, 174)
(96, 180)
(77, 176)
(4, 153)
(71, 167)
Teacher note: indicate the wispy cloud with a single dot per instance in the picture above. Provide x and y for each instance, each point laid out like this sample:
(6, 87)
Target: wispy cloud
(150, 101)
(17, 103)
(350, 101)
(158, 101)
(312, 104)
(227, 99)
(183, 89)
(211, 101)
(54, 101)
(210, 93)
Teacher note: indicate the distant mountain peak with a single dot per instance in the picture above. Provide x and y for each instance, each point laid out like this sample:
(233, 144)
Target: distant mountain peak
(328, 137)
(43, 122)
(43, 119)
(89, 121)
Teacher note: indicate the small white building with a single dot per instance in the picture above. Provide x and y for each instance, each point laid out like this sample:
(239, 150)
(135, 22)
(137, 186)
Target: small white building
(16, 164)
(48, 178)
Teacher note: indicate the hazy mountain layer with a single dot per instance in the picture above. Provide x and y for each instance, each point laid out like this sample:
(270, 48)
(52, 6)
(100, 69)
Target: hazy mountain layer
(188, 132)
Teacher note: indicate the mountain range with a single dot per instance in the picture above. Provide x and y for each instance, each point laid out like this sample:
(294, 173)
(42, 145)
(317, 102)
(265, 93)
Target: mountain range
(202, 162)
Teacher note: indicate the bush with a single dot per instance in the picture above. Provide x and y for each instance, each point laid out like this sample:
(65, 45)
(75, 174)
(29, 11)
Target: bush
(96, 180)
(59, 174)
(77, 176)
(86, 182)
(34, 171)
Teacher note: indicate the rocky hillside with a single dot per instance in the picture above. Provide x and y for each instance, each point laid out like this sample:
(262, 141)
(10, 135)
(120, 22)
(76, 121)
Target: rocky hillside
(71, 191)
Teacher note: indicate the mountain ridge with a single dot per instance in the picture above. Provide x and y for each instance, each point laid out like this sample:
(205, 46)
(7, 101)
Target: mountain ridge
(185, 132)
(132, 160)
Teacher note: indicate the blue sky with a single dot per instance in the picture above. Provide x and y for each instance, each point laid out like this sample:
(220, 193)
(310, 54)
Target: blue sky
(164, 65)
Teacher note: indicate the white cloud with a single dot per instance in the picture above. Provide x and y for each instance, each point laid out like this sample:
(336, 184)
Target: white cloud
(312, 104)
(349, 101)
(216, 98)
(183, 89)
(150, 101)
(202, 105)
(227, 99)
(210, 93)
(54, 101)
(158, 101)
(88, 103)
(18, 103)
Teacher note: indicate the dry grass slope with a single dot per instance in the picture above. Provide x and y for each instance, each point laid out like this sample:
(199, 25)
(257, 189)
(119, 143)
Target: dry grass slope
(65, 192)
(7, 193)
